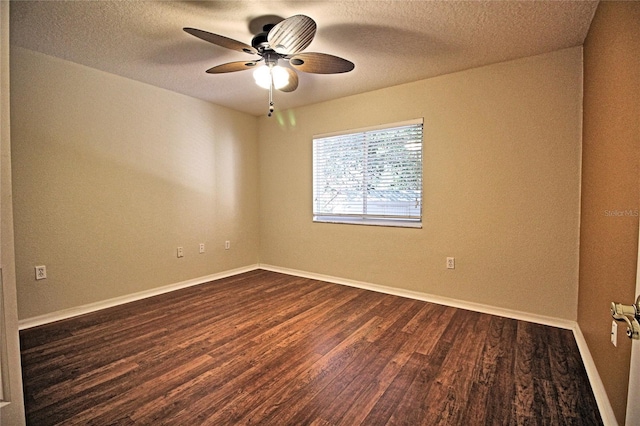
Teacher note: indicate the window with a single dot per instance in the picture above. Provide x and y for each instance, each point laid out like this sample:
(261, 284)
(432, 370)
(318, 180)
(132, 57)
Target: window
(371, 176)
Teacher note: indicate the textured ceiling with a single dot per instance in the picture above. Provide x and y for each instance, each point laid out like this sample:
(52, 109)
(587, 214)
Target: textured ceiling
(390, 42)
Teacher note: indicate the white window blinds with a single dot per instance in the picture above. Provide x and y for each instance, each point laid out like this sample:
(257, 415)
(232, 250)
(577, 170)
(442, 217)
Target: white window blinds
(372, 175)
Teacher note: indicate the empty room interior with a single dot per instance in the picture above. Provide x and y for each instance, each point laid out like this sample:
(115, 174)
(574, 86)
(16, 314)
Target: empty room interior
(168, 257)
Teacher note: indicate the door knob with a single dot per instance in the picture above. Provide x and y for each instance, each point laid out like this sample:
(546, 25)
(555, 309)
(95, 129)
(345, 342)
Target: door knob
(629, 314)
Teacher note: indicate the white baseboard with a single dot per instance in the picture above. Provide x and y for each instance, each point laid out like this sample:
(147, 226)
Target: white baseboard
(455, 303)
(92, 307)
(606, 411)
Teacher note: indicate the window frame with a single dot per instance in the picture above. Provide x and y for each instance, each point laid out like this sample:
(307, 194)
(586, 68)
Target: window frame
(370, 219)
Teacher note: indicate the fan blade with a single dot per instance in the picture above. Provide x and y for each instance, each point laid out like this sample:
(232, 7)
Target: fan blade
(292, 35)
(232, 67)
(320, 63)
(223, 41)
(293, 81)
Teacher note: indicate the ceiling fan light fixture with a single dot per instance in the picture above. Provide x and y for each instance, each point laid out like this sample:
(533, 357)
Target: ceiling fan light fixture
(264, 74)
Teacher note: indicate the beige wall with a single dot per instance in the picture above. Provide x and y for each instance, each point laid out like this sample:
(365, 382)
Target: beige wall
(111, 176)
(611, 154)
(501, 187)
(13, 412)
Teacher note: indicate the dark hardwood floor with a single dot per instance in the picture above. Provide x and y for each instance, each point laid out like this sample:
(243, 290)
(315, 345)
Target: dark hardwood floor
(267, 348)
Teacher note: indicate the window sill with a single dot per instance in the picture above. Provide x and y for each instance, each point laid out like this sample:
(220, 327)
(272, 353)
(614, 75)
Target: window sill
(397, 223)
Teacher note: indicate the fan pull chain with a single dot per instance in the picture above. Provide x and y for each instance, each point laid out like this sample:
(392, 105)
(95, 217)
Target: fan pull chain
(270, 99)
(270, 95)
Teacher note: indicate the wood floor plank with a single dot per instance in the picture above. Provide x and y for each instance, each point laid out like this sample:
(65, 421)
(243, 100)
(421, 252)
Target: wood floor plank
(272, 349)
(303, 388)
(378, 382)
(448, 397)
(491, 392)
(372, 377)
(274, 359)
(317, 407)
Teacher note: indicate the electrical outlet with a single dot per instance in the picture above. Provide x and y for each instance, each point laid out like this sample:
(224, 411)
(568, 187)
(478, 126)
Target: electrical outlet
(41, 272)
(201, 248)
(227, 245)
(614, 333)
(180, 252)
(451, 263)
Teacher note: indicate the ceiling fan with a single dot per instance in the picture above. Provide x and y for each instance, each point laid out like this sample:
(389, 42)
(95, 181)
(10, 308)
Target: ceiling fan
(284, 42)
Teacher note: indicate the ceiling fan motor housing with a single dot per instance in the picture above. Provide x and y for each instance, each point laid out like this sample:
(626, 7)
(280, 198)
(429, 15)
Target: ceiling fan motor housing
(260, 41)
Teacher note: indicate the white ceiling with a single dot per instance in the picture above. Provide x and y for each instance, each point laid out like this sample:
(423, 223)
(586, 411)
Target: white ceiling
(390, 42)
